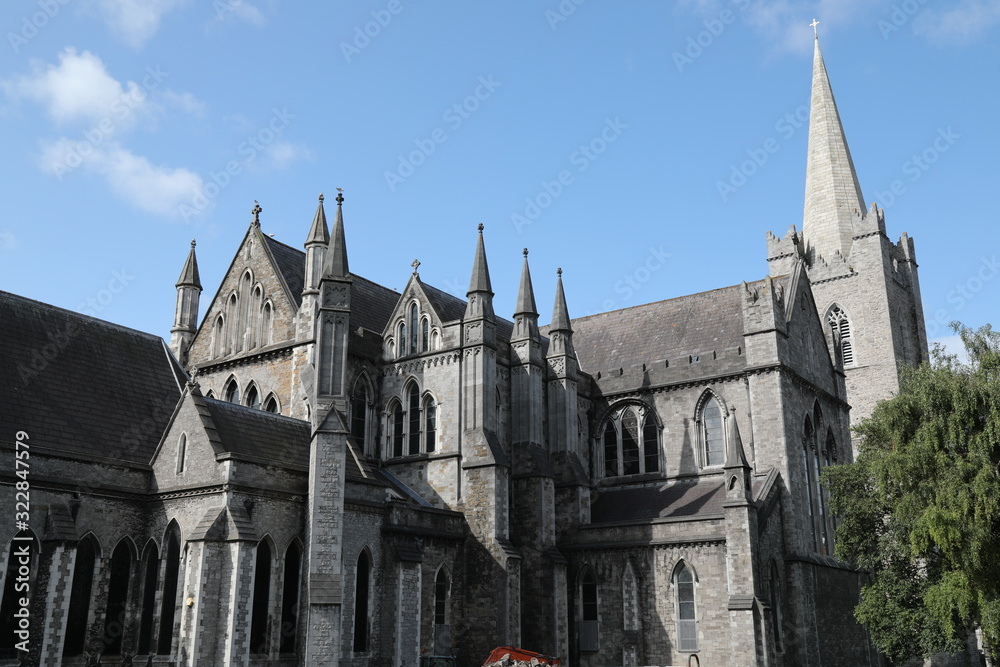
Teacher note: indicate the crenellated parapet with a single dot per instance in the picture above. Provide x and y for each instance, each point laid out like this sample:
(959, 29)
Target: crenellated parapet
(783, 252)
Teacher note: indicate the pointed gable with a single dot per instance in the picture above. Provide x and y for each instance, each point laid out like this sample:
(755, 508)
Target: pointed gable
(256, 303)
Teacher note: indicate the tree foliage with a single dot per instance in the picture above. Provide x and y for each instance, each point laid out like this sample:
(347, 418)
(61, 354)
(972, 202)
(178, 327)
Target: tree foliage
(920, 508)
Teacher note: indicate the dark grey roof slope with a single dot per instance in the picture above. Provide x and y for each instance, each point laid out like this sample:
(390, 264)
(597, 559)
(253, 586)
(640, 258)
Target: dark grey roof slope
(260, 434)
(677, 500)
(372, 304)
(670, 329)
(448, 306)
(85, 387)
(291, 263)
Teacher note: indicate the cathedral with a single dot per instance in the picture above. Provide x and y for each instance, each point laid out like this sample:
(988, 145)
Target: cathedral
(324, 471)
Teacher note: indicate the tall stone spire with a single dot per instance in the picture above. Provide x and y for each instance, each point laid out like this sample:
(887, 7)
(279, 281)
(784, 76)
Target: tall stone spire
(832, 190)
(525, 293)
(560, 313)
(336, 256)
(480, 292)
(186, 310)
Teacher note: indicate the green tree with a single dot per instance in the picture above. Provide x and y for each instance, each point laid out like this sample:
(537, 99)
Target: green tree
(920, 508)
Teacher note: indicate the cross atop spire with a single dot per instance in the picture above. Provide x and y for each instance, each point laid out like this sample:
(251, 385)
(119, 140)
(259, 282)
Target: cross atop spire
(256, 213)
(416, 265)
(813, 25)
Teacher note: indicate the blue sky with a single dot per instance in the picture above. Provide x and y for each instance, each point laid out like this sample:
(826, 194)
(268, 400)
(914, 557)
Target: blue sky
(611, 139)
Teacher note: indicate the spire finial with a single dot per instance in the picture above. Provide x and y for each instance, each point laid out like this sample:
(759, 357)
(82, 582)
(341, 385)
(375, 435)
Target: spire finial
(193, 243)
(321, 198)
(815, 31)
(525, 252)
(340, 196)
(256, 213)
(559, 272)
(416, 265)
(481, 227)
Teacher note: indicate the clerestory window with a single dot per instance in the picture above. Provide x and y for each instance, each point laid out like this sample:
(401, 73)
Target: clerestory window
(631, 442)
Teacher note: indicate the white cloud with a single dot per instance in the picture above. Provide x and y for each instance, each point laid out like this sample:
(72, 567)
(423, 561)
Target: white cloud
(785, 22)
(8, 241)
(134, 179)
(961, 24)
(79, 87)
(186, 102)
(239, 9)
(136, 21)
(281, 154)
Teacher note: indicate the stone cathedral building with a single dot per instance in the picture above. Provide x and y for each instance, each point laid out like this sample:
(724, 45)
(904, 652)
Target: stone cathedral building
(325, 471)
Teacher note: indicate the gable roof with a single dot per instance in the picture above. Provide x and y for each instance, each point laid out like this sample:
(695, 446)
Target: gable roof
(371, 303)
(258, 434)
(76, 383)
(670, 329)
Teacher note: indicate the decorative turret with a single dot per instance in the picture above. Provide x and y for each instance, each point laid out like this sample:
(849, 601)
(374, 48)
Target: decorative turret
(563, 373)
(525, 312)
(334, 316)
(560, 331)
(186, 311)
(738, 470)
(316, 245)
(833, 193)
(480, 292)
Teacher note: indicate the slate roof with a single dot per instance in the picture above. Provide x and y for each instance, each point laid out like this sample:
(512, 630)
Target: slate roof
(291, 263)
(685, 499)
(671, 329)
(260, 434)
(76, 384)
(372, 304)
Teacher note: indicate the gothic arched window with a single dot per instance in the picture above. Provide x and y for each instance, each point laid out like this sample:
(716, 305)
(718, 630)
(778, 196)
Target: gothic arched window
(425, 327)
(362, 585)
(117, 601)
(687, 612)
(79, 599)
(776, 609)
(843, 340)
(713, 437)
(231, 394)
(413, 414)
(441, 589)
(290, 598)
(631, 442)
(413, 327)
(359, 413)
(150, 569)
(271, 405)
(252, 399)
(261, 600)
(171, 570)
(588, 629)
(430, 424)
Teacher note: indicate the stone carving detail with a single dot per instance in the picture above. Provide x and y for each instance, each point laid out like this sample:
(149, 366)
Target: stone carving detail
(336, 296)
